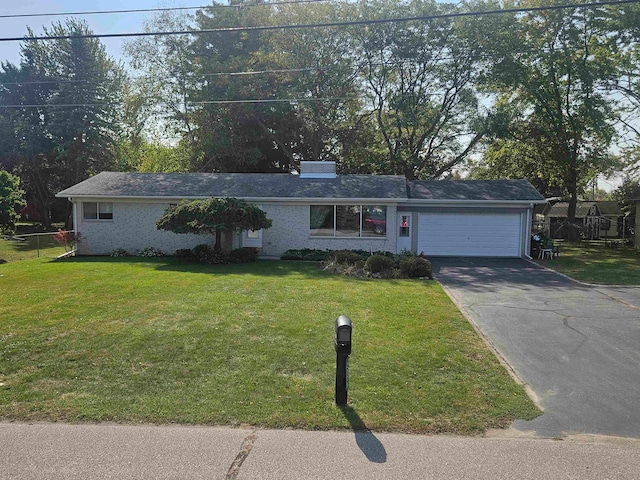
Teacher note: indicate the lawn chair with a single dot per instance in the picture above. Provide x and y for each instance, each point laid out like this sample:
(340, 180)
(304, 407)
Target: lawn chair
(547, 248)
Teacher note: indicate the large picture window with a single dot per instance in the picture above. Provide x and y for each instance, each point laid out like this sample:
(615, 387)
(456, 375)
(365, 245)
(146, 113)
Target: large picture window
(97, 210)
(355, 221)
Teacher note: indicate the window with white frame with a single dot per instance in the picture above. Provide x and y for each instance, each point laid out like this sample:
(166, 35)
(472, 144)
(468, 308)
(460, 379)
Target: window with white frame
(356, 221)
(97, 210)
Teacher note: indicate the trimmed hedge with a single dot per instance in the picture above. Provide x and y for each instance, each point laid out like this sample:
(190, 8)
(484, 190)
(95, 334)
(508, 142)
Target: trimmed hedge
(416, 267)
(205, 253)
(244, 255)
(347, 257)
(306, 254)
(378, 264)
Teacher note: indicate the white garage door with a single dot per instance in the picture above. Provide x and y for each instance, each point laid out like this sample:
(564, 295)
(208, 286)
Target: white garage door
(470, 234)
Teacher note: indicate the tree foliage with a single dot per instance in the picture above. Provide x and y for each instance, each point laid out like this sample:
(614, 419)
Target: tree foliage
(214, 216)
(542, 95)
(11, 201)
(386, 99)
(64, 121)
(555, 82)
(418, 79)
(627, 195)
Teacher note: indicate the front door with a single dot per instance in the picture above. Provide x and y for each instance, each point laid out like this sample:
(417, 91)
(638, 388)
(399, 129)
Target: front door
(404, 232)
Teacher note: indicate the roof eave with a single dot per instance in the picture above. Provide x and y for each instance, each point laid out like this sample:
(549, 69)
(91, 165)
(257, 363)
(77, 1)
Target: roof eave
(248, 199)
(422, 201)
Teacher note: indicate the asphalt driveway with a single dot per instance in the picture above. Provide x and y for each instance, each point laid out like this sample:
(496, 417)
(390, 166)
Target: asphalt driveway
(577, 347)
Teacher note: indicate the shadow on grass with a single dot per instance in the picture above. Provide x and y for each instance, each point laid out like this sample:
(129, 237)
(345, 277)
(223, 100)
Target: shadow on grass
(365, 439)
(263, 268)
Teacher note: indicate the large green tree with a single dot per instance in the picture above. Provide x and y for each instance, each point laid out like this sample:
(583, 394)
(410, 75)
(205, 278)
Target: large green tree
(302, 81)
(302, 86)
(552, 69)
(160, 92)
(215, 216)
(62, 119)
(418, 79)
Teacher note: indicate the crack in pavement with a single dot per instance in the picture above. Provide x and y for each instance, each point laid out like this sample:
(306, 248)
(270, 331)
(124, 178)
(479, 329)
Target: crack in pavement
(565, 322)
(245, 450)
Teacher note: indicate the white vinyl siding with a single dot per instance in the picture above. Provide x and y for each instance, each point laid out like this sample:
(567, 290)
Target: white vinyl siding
(470, 234)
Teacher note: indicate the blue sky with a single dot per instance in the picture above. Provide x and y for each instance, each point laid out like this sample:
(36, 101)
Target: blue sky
(112, 23)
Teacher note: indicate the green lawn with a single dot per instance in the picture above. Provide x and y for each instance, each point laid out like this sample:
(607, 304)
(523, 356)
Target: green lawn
(160, 341)
(32, 247)
(595, 262)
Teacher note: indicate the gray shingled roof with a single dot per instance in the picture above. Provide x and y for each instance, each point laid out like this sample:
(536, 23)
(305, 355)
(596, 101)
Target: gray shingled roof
(561, 209)
(239, 185)
(478, 190)
(286, 186)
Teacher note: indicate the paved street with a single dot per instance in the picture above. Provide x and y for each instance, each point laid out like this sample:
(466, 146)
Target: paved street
(92, 452)
(577, 347)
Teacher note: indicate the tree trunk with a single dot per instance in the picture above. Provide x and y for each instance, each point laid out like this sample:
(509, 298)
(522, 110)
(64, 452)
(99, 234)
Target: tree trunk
(218, 246)
(572, 234)
(224, 241)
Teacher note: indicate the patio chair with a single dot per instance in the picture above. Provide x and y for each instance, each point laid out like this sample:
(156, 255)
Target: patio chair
(547, 248)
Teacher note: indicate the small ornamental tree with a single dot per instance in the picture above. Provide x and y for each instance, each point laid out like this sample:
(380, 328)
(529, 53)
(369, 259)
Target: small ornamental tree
(11, 201)
(67, 238)
(214, 216)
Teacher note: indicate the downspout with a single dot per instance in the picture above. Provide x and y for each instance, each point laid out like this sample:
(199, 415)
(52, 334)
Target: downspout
(528, 219)
(76, 232)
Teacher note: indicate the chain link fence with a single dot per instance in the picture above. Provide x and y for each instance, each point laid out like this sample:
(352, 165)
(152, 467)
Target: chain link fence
(32, 245)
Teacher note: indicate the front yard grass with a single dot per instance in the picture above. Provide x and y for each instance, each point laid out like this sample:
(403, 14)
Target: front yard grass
(595, 262)
(159, 341)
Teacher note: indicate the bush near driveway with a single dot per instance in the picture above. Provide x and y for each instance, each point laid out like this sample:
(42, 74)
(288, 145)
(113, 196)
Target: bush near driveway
(158, 340)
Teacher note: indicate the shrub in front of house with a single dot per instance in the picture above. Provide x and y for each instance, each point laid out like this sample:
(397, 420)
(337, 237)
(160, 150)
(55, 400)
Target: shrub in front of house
(416, 267)
(244, 255)
(347, 257)
(306, 254)
(378, 264)
(183, 253)
(205, 253)
(150, 252)
(119, 252)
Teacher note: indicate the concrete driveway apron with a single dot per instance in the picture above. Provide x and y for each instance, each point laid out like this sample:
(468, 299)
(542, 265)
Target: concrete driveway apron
(577, 347)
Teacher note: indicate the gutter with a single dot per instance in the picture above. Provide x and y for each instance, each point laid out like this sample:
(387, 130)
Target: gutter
(349, 200)
(400, 201)
(528, 203)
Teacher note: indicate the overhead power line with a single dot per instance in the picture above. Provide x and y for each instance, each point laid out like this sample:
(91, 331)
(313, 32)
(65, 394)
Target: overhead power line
(168, 9)
(204, 102)
(351, 23)
(44, 82)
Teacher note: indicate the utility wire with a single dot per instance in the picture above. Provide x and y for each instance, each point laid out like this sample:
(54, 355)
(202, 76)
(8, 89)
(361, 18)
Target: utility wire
(351, 23)
(356, 67)
(169, 9)
(204, 102)
(45, 82)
